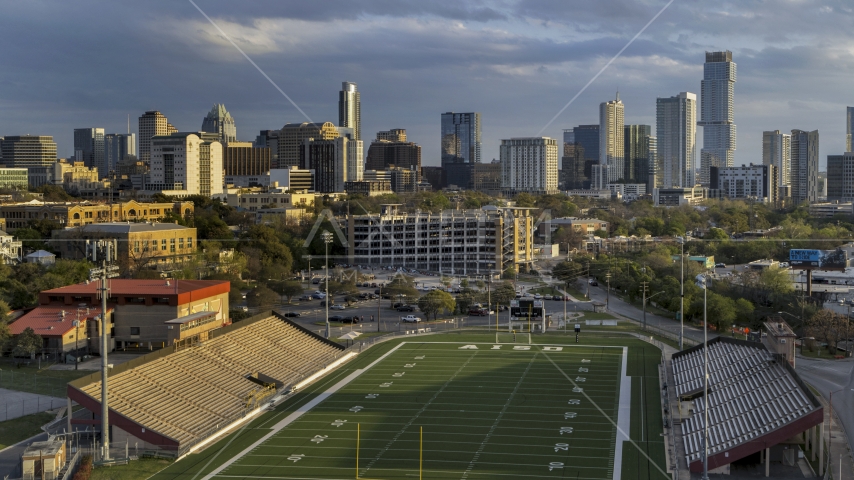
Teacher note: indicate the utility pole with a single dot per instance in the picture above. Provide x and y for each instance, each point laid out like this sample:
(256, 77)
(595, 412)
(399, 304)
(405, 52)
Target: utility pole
(327, 239)
(106, 249)
(588, 280)
(644, 305)
(706, 378)
(608, 292)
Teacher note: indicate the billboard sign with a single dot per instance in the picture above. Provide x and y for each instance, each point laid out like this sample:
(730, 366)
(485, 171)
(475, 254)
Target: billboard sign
(818, 259)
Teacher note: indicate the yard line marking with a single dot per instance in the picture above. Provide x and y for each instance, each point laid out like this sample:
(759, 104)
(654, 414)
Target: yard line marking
(497, 420)
(621, 427)
(424, 408)
(294, 416)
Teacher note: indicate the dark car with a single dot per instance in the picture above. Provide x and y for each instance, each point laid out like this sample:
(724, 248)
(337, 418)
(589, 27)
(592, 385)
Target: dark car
(377, 291)
(594, 283)
(336, 318)
(292, 314)
(405, 308)
(352, 319)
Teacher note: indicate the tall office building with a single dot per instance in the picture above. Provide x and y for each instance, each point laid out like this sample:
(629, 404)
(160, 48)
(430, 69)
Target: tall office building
(117, 146)
(804, 170)
(636, 153)
(292, 135)
(355, 155)
(461, 146)
(328, 160)
(529, 165)
(350, 109)
(676, 127)
(152, 123)
(269, 139)
(391, 148)
(777, 150)
(611, 148)
(89, 148)
(573, 176)
(849, 129)
(656, 170)
(186, 162)
(219, 121)
(716, 117)
(28, 151)
(840, 177)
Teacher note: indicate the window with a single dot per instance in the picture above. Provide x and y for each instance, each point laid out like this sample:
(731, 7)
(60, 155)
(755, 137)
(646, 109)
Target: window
(189, 242)
(172, 245)
(136, 247)
(163, 244)
(134, 331)
(181, 243)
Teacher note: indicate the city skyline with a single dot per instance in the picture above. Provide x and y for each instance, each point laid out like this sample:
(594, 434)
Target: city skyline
(784, 82)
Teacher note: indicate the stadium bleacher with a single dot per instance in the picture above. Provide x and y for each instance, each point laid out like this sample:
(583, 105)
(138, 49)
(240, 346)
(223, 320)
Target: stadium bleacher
(185, 395)
(755, 401)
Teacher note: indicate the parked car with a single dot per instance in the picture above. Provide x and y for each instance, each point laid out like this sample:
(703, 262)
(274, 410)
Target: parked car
(538, 297)
(337, 307)
(305, 298)
(318, 296)
(353, 319)
(292, 314)
(373, 285)
(331, 303)
(723, 265)
(478, 311)
(336, 318)
(410, 319)
(546, 297)
(784, 264)
(405, 308)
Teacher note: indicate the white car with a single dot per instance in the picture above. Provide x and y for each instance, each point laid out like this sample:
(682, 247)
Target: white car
(410, 319)
(538, 297)
(337, 307)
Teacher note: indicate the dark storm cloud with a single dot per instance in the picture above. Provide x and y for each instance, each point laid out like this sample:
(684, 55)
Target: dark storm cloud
(90, 63)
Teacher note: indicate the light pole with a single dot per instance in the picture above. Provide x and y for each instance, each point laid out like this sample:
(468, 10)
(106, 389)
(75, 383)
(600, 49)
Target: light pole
(705, 378)
(645, 298)
(327, 239)
(682, 294)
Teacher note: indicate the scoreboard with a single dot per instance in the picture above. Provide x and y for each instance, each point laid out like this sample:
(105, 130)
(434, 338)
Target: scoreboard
(522, 309)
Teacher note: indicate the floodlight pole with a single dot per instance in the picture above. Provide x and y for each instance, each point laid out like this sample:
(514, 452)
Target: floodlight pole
(327, 239)
(107, 250)
(705, 378)
(682, 294)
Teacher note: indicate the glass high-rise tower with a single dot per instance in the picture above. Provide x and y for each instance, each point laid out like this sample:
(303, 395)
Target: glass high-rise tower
(461, 146)
(350, 109)
(849, 129)
(611, 148)
(716, 117)
(675, 127)
(219, 121)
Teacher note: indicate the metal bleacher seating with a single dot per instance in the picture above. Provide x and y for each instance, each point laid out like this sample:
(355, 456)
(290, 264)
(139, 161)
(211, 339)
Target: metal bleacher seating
(187, 394)
(750, 394)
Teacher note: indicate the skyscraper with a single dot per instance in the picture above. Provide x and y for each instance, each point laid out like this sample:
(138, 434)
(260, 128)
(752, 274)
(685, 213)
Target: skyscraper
(355, 155)
(293, 134)
(529, 165)
(186, 162)
(350, 109)
(152, 123)
(636, 156)
(117, 146)
(611, 148)
(219, 121)
(328, 159)
(461, 146)
(269, 139)
(587, 137)
(849, 129)
(391, 148)
(28, 151)
(716, 115)
(777, 151)
(804, 171)
(676, 127)
(89, 148)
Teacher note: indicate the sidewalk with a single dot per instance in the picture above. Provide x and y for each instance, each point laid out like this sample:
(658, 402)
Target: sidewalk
(838, 442)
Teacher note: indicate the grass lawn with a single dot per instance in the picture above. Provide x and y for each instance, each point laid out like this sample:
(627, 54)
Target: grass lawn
(545, 291)
(597, 316)
(819, 352)
(516, 411)
(22, 428)
(136, 470)
(28, 378)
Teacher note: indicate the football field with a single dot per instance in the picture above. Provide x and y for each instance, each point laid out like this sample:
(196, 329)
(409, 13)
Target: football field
(442, 410)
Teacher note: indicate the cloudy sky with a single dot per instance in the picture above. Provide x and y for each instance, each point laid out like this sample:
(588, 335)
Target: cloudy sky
(67, 65)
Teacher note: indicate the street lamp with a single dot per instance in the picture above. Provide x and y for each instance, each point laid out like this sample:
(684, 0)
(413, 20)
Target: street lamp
(681, 241)
(645, 298)
(327, 239)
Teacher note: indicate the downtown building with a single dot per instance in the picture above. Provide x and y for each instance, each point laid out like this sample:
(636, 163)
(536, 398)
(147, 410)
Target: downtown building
(246, 165)
(292, 136)
(220, 122)
(187, 163)
(749, 182)
(804, 170)
(36, 153)
(391, 149)
(89, 149)
(152, 123)
(529, 165)
(640, 149)
(849, 129)
(611, 144)
(117, 148)
(716, 114)
(675, 127)
(461, 147)
(327, 159)
(350, 109)
(477, 241)
(840, 177)
(777, 151)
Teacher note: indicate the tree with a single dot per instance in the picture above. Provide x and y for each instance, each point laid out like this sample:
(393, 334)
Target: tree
(744, 311)
(776, 281)
(721, 310)
(828, 327)
(290, 288)
(436, 302)
(27, 344)
(502, 294)
(262, 297)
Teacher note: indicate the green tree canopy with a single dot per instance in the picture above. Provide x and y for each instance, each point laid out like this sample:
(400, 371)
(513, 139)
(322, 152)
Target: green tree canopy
(436, 302)
(27, 344)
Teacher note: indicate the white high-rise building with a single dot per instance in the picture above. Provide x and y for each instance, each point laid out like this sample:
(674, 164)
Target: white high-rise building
(611, 138)
(184, 162)
(716, 115)
(529, 165)
(777, 150)
(676, 127)
(350, 109)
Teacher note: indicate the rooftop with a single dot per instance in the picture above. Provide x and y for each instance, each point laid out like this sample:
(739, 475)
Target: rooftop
(121, 286)
(127, 227)
(48, 320)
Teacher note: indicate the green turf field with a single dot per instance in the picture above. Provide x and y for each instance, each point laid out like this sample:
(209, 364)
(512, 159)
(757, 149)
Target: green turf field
(518, 411)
